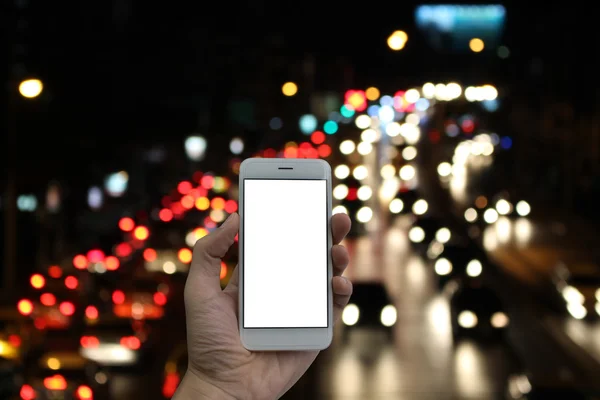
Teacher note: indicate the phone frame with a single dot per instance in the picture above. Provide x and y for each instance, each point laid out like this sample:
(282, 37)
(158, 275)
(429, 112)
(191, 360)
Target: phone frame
(289, 339)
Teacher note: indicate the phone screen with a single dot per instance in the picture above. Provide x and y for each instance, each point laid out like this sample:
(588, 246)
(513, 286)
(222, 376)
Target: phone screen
(285, 253)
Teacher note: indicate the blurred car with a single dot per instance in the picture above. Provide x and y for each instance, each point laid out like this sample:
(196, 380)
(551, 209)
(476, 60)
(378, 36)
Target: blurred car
(369, 306)
(175, 369)
(424, 229)
(459, 258)
(116, 342)
(140, 298)
(526, 386)
(578, 285)
(476, 311)
(64, 375)
(52, 302)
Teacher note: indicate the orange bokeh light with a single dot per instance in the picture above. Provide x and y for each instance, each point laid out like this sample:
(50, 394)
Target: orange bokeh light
(202, 203)
(126, 224)
(37, 281)
(218, 203)
(91, 312)
(80, 262)
(185, 255)
(223, 272)
(141, 233)
(25, 307)
(187, 202)
(112, 263)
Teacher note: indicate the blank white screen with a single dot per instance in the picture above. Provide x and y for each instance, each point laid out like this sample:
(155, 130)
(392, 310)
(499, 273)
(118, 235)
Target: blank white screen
(285, 253)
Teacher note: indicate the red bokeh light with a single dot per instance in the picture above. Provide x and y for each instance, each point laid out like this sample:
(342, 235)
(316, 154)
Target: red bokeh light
(95, 256)
(91, 312)
(160, 299)
(317, 137)
(71, 282)
(149, 255)
(184, 187)
(324, 150)
(231, 206)
(123, 250)
(165, 215)
(126, 224)
(207, 181)
(118, 297)
(55, 271)
(48, 299)
(67, 308)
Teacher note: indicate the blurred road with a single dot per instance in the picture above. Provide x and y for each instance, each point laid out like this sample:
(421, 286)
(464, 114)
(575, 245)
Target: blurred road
(422, 362)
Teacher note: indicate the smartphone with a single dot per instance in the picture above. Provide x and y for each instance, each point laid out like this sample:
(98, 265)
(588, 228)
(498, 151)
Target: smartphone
(285, 293)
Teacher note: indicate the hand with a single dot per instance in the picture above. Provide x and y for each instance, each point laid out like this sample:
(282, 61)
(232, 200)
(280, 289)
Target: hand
(219, 366)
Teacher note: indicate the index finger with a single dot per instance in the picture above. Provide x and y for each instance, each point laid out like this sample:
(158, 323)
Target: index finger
(340, 226)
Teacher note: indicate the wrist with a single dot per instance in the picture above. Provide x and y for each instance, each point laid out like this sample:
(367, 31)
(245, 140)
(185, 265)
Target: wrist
(193, 387)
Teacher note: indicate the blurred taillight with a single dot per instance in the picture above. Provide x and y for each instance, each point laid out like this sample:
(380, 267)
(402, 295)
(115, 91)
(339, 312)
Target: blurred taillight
(170, 384)
(84, 393)
(160, 299)
(25, 307)
(118, 297)
(91, 312)
(66, 308)
(27, 393)
(14, 340)
(37, 281)
(56, 382)
(48, 299)
(89, 341)
(131, 342)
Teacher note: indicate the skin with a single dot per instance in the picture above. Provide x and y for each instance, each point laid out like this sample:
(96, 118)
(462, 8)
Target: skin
(219, 366)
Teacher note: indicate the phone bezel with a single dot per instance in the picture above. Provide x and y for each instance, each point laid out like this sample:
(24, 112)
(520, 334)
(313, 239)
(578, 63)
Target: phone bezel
(285, 338)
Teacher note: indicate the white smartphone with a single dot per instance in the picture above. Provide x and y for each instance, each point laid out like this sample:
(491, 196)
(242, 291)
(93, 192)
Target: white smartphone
(285, 293)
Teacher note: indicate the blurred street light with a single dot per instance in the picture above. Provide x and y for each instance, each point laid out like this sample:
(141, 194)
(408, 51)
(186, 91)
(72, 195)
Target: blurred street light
(31, 88)
(476, 45)
(289, 89)
(195, 147)
(116, 184)
(397, 40)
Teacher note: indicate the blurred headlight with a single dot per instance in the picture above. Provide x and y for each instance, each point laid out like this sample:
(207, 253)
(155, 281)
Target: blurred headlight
(598, 295)
(474, 268)
(518, 385)
(499, 320)
(597, 307)
(388, 315)
(350, 315)
(576, 310)
(443, 235)
(416, 234)
(443, 266)
(467, 319)
(572, 295)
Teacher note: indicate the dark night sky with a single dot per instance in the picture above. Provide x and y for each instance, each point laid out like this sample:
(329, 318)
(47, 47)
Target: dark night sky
(107, 67)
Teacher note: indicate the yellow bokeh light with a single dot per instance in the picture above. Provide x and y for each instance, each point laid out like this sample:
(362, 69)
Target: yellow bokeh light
(53, 363)
(372, 93)
(31, 88)
(289, 89)
(397, 40)
(476, 45)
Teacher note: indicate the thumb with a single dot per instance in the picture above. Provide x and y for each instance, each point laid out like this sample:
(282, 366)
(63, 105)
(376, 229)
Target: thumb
(208, 251)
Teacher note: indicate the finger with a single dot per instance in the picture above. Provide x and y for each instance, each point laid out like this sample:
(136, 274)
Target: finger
(340, 226)
(234, 281)
(208, 251)
(340, 258)
(342, 290)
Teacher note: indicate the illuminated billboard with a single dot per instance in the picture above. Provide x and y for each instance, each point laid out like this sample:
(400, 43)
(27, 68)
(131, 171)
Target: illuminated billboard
(451, 27)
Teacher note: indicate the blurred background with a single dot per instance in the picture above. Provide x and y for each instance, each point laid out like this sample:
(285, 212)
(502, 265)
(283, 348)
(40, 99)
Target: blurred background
(465, 144)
